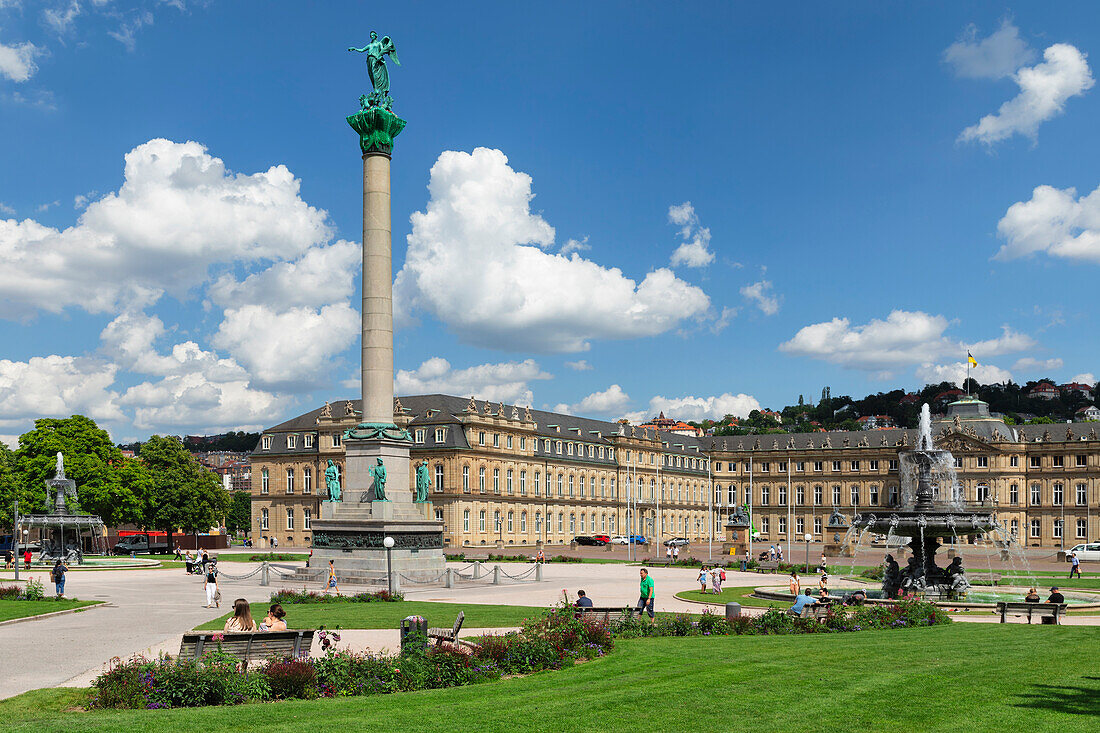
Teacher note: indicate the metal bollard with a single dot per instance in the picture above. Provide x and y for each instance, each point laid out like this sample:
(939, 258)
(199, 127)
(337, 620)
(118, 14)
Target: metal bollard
(496, 575)
(265, 578)
(449, 578)
(395, 582)
(538, 571)
(733, 610)
(477, 569)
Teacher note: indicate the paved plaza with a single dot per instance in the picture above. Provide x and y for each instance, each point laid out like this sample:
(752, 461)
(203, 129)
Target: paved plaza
(146, 611)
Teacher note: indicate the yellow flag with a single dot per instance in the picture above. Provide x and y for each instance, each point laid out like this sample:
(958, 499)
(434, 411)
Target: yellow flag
(971, 360)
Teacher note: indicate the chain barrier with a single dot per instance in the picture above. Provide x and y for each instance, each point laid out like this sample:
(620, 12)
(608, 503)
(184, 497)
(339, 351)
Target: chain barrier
(414, 581)
(521, 576)
(227, 576)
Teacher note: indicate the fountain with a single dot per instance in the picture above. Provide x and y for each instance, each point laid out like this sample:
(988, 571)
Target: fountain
(931, 508)
(62, 525)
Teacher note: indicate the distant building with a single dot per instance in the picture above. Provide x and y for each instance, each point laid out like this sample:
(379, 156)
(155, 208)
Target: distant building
(943, 399)
(876, 422)
(773, 415)
(1044, 391)
(672, 426)
(1085, 390)
(911, 398)
(1089, 412)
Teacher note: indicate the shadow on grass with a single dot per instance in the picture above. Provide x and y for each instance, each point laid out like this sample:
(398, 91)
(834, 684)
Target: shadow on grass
(1084, 700)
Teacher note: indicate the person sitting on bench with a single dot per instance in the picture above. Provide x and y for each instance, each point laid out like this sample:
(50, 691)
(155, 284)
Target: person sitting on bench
(241, 620)
(1055, 596)
(583, 601)
(274, 619)
(1032, 596)
(802, 600)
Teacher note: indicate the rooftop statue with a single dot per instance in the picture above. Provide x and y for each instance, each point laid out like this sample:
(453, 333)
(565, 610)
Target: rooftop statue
(379, 75)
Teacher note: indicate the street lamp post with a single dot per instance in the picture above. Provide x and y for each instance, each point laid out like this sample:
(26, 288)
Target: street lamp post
(15, 538)
(807, 537)
(388, 544)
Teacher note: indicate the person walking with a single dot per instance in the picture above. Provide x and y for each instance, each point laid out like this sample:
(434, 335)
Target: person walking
(331, 584)
(824, 566)
(675, 553)
(274, 543)
(1074, 565)
(9, 559)
(794, 584)
(27, 559)
(716, 580)
(645, 593)
(703, 579)
(771, 553)
(779, 553)
(57, 575)
(213, 594)
(668, 554)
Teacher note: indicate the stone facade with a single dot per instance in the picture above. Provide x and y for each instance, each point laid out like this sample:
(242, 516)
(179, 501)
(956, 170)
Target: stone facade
(505, 475)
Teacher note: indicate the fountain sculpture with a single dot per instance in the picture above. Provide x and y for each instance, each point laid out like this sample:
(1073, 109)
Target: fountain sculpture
(62, 525)
(931, 507)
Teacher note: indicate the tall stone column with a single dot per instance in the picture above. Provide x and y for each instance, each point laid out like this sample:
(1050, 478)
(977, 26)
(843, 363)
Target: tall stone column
(377, 291)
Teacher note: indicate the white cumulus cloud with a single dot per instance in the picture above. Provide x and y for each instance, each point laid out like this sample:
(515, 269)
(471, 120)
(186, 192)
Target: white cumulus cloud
(993, 57)
(904, 338)
(17, 61)
(611, 402)
(761, 295)
(956, 372)
(1044, 90)
(178, 213)
(581, 365)
(701, 408)
(1030, 365)
(1054, 221)
(476, 262)
(506, 381)
(695, 249)
(57, 386)
(1084, 378)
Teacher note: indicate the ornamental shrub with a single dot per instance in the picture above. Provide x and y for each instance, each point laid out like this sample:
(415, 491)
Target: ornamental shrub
(291, 678)
(288, 595)
(10, 592)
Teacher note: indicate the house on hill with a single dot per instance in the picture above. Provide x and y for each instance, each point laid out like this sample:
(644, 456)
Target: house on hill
(1084, 390)
(1044, 391)
(1088, 412)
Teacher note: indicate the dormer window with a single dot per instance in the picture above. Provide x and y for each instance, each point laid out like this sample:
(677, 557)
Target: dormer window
(265, 442)
(440, 435)
(292, 441)
(418, 435)
(307, 440)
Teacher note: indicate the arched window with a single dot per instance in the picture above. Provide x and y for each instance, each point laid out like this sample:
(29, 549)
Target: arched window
(263, 481)
(264, 519)
(561, 519)
(523, 522)
(572, 523)
(481, 521)
(466, 520)
(510, 515)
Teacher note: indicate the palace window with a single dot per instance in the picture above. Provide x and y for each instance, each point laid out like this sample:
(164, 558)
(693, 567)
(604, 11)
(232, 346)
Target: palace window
(418, 435)
(782, 495)
(1057, 492)
(481, 437)
(307, 519)
(336, 440)
(765, 492)
(592, 486)
(1082, 528)
(307, 440)
(855, 495)
(612, 484)
(510, 515)
(1035, 461)
(1014, 494)
(439, 477)
(561, 484)
(569, 449)
(523, 522)
(481, 521)
(292, 441)
(508, 482)
(764, 525)
(983, 461)
(572, 523)
(538, 522)
(854, 465)
(874, 465)
(836, 495)
(817, 525)
(582, 524)
(263, 519)
(1057, 533)
(290, 481)
(509, 442)
(263, 481)
(523, 442)
(873, 498)
(307, 480)
(782, 525)
(290, 518)
(836, 465)
(558, 447)
(1014, 461)
(765, 467)
(538, 490)
(466, 520)
(496, 480)
(731, 495)
(496, 440)
(523, 483)
(571, 485)
(481, 479)
(1015, 528)
(958, 462)
(782, 466)
(466, 480)
(439, 518)
(1081, 494)
(893, 464)
(819, 466)
(1082, 460)
(800, 466)
(800, 525)
(983, 492)
(265, 442)
(1036, 527)
(818, 491)
(603, 486)
(1059, 461)
(440, 435)
(1036, 495)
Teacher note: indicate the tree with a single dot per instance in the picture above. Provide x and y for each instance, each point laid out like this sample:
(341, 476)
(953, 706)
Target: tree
(186, 495)
(240, 512)
(104, 485)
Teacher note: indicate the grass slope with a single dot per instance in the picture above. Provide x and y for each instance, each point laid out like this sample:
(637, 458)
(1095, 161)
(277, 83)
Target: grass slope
(388, 615)
(23, 609)
(939, 679)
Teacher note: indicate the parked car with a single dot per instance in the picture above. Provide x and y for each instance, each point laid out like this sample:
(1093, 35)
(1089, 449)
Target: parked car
(139, 543)
(602, 538)
(677, 542)
(1091, 551)
(637, 539)
(586, 540)
(620, 540)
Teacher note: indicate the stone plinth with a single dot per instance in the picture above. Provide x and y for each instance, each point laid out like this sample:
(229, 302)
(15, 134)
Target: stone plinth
(736, 540)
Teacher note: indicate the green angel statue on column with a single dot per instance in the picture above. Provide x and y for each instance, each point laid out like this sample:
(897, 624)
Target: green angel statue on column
(332, 481)
(376, 52)
(378, 473)
(422, 482)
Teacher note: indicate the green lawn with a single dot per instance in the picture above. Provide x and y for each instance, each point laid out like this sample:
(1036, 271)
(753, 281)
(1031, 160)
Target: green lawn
(379, 615)
(935, 679)
(730, 595)
(23, 609)
(1044, 582)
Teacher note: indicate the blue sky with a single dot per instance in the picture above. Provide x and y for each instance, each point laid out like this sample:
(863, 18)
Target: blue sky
(630, 209)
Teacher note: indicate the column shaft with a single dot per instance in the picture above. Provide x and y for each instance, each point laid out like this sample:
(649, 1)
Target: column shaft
(377, 291)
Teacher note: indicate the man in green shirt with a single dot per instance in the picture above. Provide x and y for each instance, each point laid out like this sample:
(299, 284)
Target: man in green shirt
(645, 597)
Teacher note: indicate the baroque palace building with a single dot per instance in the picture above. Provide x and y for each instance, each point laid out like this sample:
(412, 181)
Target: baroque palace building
(506, 475)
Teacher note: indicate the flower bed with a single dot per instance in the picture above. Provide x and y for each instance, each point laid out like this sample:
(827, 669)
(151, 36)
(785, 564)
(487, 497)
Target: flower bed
(288, 595)
(903, 614)
(31, 591)
(555, 640)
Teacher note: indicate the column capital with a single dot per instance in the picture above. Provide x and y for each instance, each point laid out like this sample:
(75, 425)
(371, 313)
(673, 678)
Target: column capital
(377, 128)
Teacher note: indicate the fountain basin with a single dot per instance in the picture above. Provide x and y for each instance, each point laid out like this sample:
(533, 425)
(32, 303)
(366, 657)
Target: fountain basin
(926, 523)
(978, 600)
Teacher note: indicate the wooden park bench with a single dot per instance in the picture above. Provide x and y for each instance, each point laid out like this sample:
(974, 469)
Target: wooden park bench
(248, 646)
(1023, 608)
(770, 565)
(605, 614)
(448, 635)
(819, 611)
